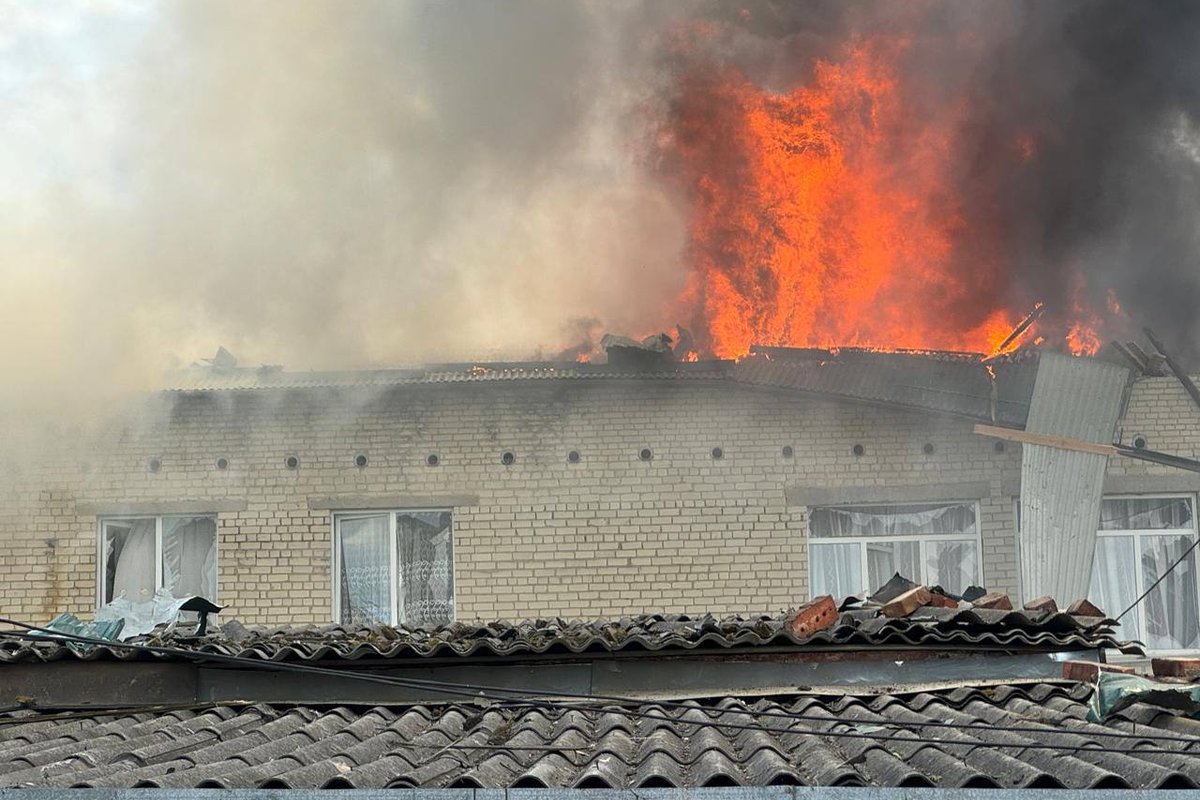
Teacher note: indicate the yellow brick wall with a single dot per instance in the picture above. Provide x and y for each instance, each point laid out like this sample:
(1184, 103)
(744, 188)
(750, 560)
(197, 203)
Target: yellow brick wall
(610, 535)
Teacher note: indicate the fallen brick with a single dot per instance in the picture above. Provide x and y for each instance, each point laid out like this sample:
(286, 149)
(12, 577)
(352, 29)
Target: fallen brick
(1044, 603)
(1084, 608)
(818, 615)
(1175, 667)
(996, 600)
(908, 602)
(1088, 671)
(941, 601)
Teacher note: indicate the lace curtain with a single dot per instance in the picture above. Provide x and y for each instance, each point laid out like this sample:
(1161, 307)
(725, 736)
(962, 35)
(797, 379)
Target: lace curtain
(906, 520)
(366, 558)
(426, 568)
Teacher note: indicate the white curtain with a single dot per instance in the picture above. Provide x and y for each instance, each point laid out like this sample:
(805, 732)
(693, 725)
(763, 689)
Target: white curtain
(1114, 582)
(951, 564)
(884, 559)
(129, 559)
(906, 520)
(365, 550)
(426, 579)
(190, 556)
(836, 569)
(1170, 608)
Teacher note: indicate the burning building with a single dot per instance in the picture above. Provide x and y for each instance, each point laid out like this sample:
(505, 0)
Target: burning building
(606, 489)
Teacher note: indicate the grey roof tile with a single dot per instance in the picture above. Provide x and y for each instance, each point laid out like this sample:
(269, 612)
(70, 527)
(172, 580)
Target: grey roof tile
(857, 628)
(1016, 736)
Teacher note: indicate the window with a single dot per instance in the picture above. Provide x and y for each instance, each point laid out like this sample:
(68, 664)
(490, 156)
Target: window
(857, 548)
(394, 567)
(139, 555)
(1138, 541)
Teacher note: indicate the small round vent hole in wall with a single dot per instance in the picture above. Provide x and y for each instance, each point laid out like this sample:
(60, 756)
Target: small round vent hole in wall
(646, 454)
(573, 457)
(360, 460)
(291, 462)
(508, 459)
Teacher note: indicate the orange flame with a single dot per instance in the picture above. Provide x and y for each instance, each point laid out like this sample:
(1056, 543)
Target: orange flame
(821, 215)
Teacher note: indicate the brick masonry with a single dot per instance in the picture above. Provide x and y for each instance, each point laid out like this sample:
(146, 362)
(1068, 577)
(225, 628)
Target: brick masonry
(609, 535)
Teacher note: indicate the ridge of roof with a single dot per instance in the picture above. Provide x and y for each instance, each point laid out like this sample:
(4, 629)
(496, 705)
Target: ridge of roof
(646, 635)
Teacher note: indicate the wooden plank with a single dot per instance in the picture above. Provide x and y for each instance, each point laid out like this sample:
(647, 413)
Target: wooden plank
(1061, 442)
(1174, 366)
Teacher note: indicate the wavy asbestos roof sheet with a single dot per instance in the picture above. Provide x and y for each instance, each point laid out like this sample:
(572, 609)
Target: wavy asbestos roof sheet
(1007, 736)
(648, 634)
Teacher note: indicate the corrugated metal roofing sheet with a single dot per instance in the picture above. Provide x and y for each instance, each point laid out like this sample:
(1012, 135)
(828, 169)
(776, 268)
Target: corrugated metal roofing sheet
(1008, 736)
(1060, 489)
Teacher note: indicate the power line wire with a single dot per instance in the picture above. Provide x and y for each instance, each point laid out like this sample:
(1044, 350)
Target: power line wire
(1170, 569)
(496, 693)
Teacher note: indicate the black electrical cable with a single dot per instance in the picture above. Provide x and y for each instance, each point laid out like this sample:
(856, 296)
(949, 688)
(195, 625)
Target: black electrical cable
(1170, 569)
(476, 691)
(479, 692)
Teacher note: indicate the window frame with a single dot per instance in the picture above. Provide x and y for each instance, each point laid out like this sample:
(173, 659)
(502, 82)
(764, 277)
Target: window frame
(101, 562)
(1137, 534)
(394, 556)
(862, 541)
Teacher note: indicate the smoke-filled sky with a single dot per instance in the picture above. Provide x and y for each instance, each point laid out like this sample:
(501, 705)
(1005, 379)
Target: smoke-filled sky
(321, 184)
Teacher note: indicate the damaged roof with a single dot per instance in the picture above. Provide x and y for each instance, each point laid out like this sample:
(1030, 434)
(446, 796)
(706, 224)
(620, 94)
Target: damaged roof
(1007, 736)
(978, 629)
(962, 384)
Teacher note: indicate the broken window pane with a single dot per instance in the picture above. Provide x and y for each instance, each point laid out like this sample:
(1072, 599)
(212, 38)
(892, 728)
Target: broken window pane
(1145, 513)
(930, 519)
(885, 559)
(190, 556)
(134, 566)
(129, 559)
(951, 564)
(1171, 616)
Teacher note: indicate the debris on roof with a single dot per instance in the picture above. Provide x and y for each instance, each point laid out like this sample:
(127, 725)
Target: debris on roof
(1116, 692)
(858, 627)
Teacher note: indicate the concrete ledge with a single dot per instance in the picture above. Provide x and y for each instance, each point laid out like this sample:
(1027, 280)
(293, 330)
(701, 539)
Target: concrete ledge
(1152, 484)
(360, 502)
(875, 495)
(117, 508)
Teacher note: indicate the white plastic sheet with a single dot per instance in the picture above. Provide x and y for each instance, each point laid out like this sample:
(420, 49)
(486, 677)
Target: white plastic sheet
(143, 616)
